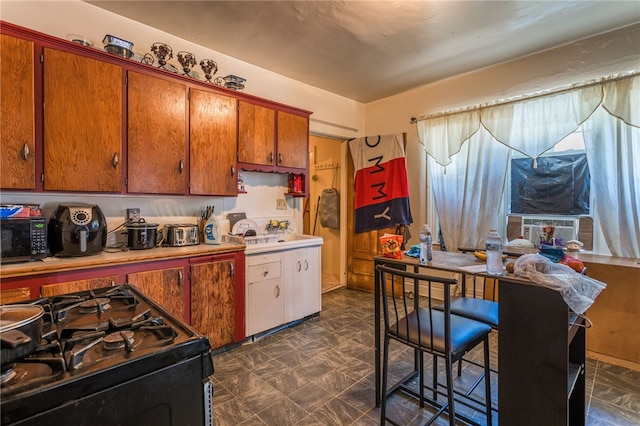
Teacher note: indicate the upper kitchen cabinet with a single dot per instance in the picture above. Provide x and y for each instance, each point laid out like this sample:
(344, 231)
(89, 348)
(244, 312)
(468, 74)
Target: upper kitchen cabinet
(82, 123)
(293, 140)
(213, 123)
(17, 152)
(157, 135)
(256, 136)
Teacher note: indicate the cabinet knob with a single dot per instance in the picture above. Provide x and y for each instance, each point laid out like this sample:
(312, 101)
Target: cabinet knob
(306, 265)
(25, 152)
(231, 269)
(180, 277)
(299, 266)
(279, 158)
(271, 157)
(115, 160)
(180, 167)
(233, 171)
(265, 273)
(277, 291)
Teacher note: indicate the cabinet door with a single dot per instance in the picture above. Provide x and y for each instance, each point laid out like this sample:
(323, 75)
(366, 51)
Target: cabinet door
(293, 140)
(302, 285)
(79, 285)
(82, 123)
(17, 150)
(163, 286)
(265, 302)
(213, 301)
(157, 144)
(256, 134)
(213, 143)
(15, 295)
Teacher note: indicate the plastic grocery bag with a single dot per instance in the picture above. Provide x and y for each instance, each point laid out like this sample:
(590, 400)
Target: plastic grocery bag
(578, 291)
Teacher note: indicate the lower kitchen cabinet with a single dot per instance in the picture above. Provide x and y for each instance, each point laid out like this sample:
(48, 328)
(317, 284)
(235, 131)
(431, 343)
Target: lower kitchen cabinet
(78, 285)
(15, 295)
(302, 283)
(164, 286)
(265, 296)
(216, 311)
(282, 287)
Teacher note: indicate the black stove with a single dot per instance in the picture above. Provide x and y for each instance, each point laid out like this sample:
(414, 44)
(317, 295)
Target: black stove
(110, 356)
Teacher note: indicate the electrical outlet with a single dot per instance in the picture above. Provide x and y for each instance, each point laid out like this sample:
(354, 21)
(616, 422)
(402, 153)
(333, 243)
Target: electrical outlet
(133, 215)
(281, 204)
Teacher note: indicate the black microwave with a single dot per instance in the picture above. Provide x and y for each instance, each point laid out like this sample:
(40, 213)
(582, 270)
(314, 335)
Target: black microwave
(23, 239)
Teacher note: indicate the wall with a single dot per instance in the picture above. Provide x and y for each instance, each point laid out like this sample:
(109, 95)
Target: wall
(607, 54)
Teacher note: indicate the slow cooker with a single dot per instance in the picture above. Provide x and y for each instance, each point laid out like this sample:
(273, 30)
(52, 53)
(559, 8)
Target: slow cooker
(141, 235)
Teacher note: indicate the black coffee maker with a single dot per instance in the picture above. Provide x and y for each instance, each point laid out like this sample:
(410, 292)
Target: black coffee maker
(77, 230)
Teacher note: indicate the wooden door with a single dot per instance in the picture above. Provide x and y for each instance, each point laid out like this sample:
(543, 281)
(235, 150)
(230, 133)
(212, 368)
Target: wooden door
(79, 285)
(213, 301)
(163, 286)
(17, 149)
(82, 123)
(361, 247)
(256, 134)
(212, 144)
(157, 145)
(293, 140)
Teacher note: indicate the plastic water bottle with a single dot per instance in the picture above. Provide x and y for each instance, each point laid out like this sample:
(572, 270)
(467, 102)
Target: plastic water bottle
(426, 245)
(494, 253)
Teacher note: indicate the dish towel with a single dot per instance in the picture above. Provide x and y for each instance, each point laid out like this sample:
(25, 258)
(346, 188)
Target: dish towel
(381, 190)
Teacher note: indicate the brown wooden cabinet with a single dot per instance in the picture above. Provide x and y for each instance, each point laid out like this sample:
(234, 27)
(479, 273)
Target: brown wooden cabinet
(78, 285)
(157, 135)
(82, 123)
(17, 115)
(212, 143)
(216, 300)
(15, 295)
(163, 286)
(256, 134)
(293, 140)
(273, 138)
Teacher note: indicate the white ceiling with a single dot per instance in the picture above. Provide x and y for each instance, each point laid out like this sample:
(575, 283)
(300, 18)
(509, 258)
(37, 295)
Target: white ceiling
(368, 50)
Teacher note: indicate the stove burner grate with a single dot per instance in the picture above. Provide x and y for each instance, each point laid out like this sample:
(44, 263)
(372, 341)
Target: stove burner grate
(99, 305)
(118, 340)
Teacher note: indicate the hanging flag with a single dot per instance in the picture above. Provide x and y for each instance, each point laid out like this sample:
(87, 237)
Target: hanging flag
(381, 190)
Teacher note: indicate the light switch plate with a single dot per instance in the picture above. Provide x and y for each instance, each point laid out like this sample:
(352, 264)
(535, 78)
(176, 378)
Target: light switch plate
(281, 204)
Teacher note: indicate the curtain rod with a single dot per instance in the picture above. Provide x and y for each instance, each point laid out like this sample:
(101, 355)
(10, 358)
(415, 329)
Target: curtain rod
(602, 80)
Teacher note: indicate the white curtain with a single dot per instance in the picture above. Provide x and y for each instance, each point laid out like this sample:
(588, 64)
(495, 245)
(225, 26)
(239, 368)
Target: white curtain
(468, 192)
(613, 154)
(533, 126)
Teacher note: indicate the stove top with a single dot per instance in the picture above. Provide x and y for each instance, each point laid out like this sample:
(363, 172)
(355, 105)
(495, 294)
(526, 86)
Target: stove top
(94, 340)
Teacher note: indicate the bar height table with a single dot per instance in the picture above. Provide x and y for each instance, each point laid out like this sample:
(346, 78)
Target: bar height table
(541, 346)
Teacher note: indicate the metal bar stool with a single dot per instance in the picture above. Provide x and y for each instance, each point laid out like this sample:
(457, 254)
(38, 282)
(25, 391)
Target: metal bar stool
(414, 321)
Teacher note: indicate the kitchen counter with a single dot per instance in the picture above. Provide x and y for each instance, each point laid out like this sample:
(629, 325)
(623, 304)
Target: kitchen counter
(56, 264)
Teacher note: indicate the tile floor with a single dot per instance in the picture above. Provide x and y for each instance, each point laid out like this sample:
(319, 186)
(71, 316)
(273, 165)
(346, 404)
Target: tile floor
(320, 372)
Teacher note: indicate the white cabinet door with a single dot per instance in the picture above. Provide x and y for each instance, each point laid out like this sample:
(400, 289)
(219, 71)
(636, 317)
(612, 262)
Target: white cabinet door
(264, 293)
(264, 307)
(302, 284)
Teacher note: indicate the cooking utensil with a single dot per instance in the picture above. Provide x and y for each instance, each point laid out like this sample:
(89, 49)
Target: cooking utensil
(141, 235)
(20, 331)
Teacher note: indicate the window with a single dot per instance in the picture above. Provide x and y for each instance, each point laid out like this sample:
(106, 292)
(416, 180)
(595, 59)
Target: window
(558, 183)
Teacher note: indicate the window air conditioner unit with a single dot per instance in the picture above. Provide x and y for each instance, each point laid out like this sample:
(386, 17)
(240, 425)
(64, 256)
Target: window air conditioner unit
(565, 228)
